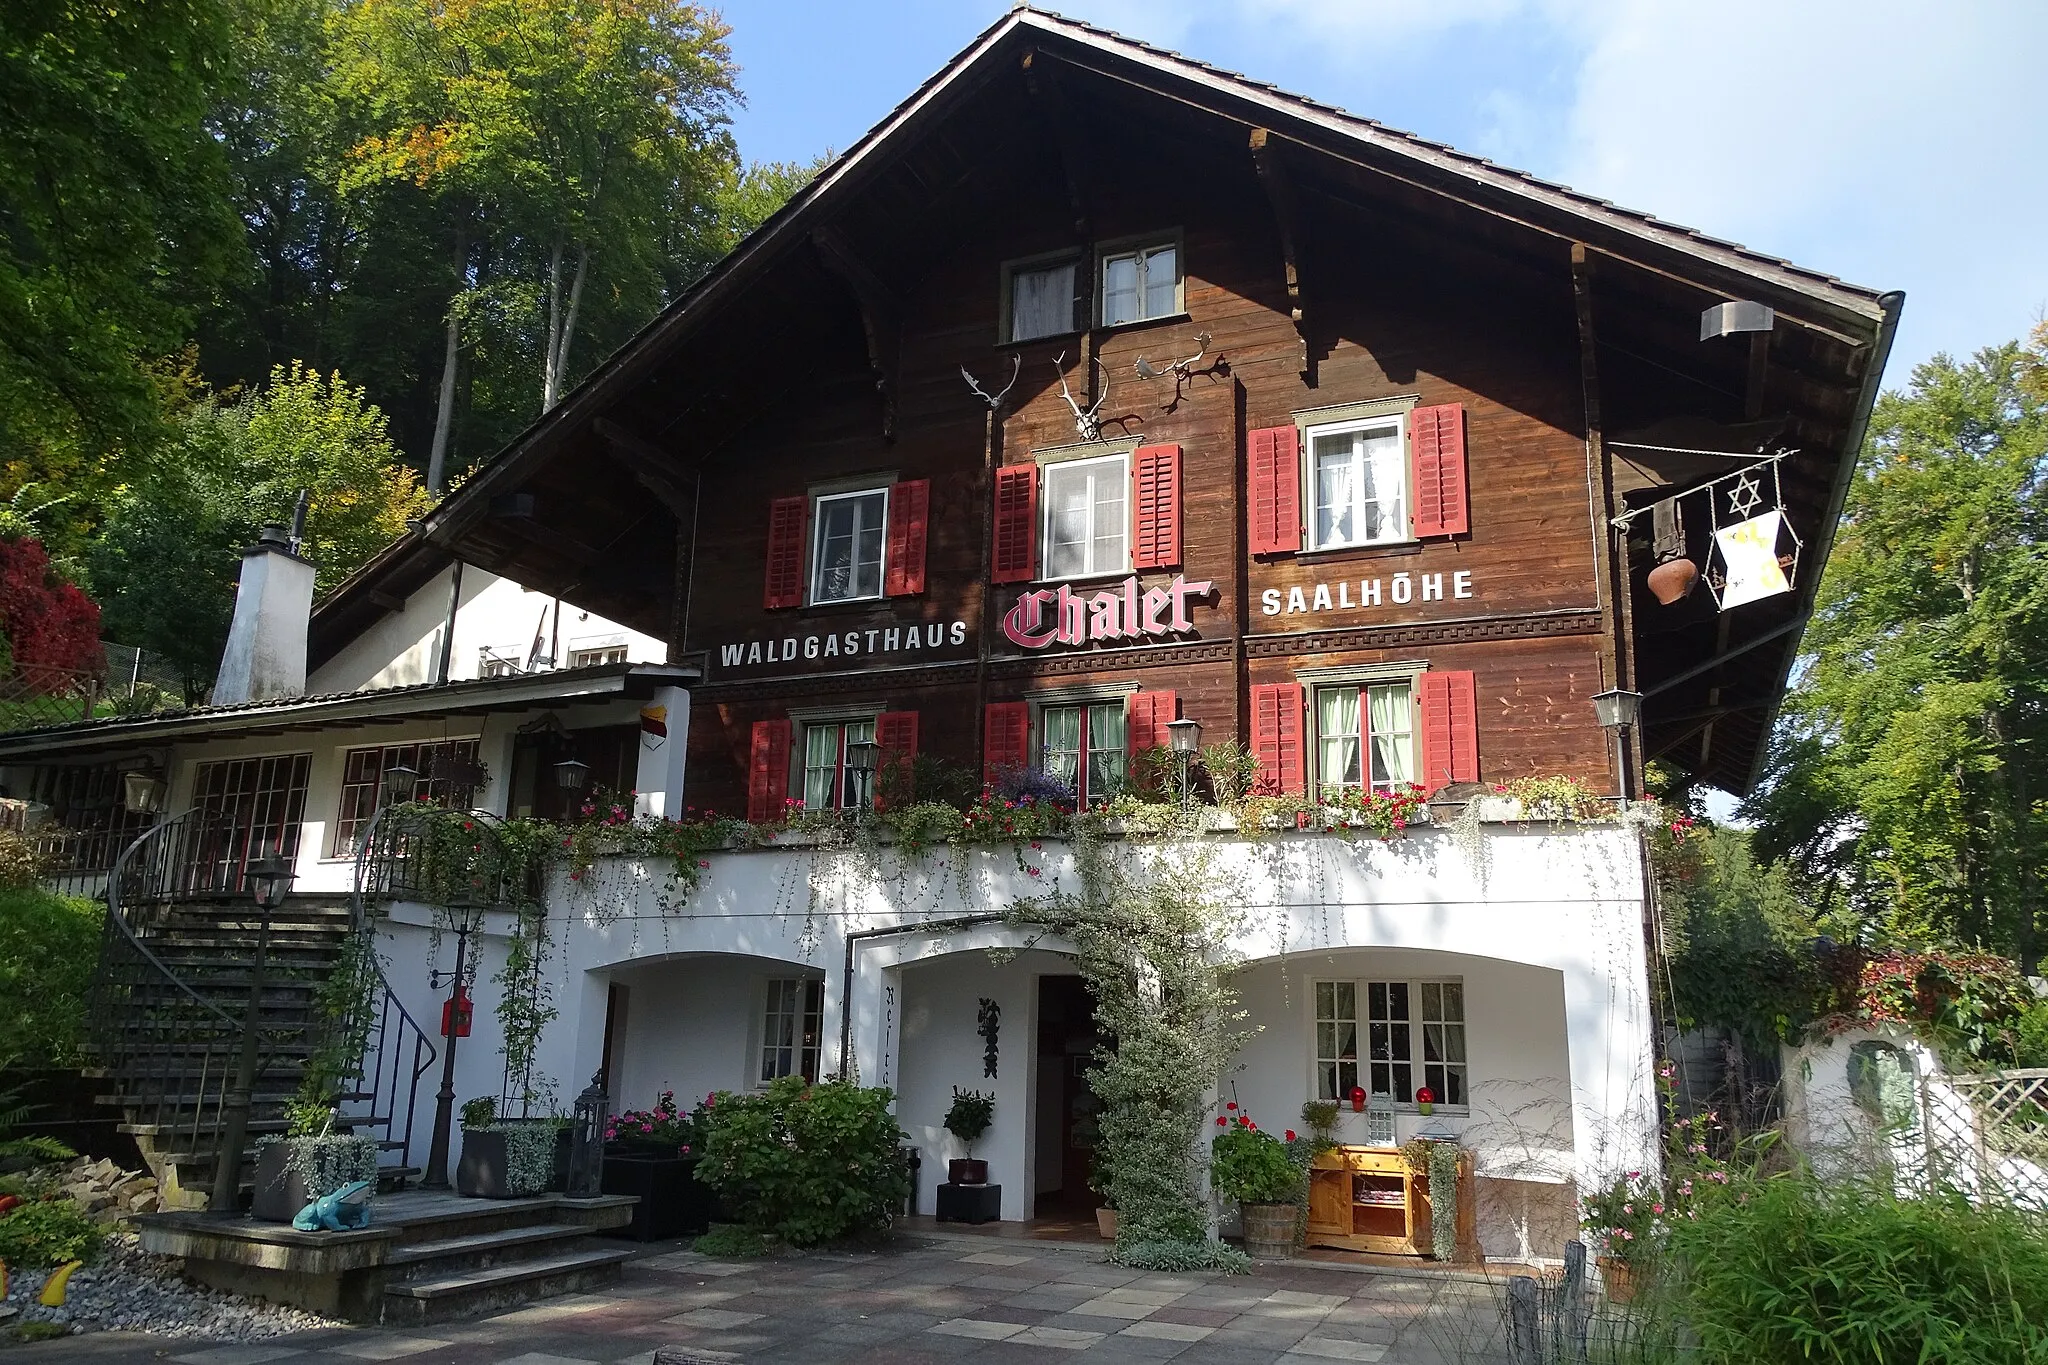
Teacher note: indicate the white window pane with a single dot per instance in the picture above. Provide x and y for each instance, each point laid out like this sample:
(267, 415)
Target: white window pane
(1066, 539)
(1454, 1000)
(851, 794)
(1385, 488)
(1042, 301)
(821, 765)
(848, 550)
(1105, 749)
(1160, 278)
(1120, 290)
(1060, 752)
(1393, 740)
(1109, 521)
(1335, 492)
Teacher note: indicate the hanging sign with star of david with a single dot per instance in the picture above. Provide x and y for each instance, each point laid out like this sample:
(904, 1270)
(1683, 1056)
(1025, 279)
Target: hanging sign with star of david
(1749, 556)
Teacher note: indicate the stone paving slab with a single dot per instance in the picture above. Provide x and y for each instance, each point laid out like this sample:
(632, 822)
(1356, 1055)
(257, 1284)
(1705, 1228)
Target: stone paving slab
(942, 1300)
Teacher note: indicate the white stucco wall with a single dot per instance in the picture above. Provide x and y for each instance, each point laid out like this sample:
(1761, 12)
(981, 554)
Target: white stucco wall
(496, 613)
(1547, 936)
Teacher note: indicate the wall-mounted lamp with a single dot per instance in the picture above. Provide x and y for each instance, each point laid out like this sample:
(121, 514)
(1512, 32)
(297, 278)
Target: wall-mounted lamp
(1617, 709)
(142, 793)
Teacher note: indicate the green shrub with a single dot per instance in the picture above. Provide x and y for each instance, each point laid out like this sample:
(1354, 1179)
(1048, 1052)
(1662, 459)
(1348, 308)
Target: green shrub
(48, 1233)
(970, 1116)
(1786, 1269)
(1176, 1258)
(49, 945)
(1251, 1166)
(21, 863)
(2031, 1048)
(806, 1163)
(731, 1242)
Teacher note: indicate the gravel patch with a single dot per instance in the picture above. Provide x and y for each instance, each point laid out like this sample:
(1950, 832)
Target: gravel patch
(133, 1291)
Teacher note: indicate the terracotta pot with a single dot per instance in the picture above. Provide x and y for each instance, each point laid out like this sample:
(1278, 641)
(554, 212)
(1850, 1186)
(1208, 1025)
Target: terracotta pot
(1268, 1231)
(1619, 1278)
(1673, 580)
(1105, 1223)
(967, 1171)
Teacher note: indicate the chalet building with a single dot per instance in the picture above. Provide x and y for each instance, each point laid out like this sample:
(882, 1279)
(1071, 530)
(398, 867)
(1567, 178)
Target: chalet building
(1096, 389)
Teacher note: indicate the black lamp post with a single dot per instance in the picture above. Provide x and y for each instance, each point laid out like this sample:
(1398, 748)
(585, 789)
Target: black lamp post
(467, 916)
(571, 774)
(1185, 737)
(860, 761)
(269, 879)
(1618, 712)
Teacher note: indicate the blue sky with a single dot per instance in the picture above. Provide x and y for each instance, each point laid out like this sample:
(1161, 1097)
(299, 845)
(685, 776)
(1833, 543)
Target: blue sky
(1898, 145)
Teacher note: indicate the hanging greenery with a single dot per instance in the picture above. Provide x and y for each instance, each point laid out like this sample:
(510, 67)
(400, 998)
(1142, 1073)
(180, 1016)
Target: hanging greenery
(1443, 1200)
(1152, 929)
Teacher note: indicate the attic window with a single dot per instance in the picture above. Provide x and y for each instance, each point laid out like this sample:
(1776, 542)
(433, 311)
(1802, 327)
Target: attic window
(1038, 299)
(1140, 282)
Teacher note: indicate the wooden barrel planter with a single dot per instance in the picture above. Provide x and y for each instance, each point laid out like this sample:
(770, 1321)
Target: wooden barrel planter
(1268, 1231)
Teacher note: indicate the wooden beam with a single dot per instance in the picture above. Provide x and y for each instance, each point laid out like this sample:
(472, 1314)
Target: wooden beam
(1286, 207)
(389, 601)
(1619, 646)
(534, 531)
(656, 469)
(880, 316)
(1045, 91)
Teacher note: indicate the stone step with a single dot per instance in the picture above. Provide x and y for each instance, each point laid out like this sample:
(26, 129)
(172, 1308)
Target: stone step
(470, 1293)
(480, 1250)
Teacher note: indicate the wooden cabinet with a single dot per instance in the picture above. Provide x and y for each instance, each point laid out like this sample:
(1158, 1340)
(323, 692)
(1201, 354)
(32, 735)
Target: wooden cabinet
(1365, 1199)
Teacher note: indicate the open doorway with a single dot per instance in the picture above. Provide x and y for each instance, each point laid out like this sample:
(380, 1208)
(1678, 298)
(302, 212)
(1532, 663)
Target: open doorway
(1067, 1108)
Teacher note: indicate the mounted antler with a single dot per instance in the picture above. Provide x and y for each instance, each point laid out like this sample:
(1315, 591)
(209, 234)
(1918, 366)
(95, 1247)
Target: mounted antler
(1016, 368)
(1088, 420)
(1177, 368)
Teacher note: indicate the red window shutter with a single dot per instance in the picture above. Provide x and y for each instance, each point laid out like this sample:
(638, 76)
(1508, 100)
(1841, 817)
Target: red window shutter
(1450, 728)
(1273, 506)
(896, 738)
(1014, 554)
(1006, 735)
(1437, 437)
(909, 512)
(768, 771)
(1277, 738)
(785, 587)
(1145, 722)
(1155, 496)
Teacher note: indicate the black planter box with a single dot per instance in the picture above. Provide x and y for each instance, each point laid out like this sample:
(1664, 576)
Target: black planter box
(483, 1172)
(970, 1203)
(280, 1194)
(673, 1203)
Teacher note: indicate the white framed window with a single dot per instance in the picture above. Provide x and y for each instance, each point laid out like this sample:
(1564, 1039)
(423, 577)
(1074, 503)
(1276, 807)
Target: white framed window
(1141, 282)
(1414, 1036)
(828, 784)
(1038, 299)
(847, 532)
(1365, 736)
(591, 658)
(791, 1022)
(1087, 517)
(1357, 478)
(1085, 747)
(362, 780)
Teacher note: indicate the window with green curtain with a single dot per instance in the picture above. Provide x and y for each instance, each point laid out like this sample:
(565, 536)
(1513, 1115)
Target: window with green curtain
(1084, 746)
(1337, 739)
(1392, 723)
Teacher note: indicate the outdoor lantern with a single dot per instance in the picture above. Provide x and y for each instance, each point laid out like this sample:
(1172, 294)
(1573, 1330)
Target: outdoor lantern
(1617, 709)
(270, 878)
(142, 793)
(860, 755)
(400, 782)
(586, 1140)
(571, 774)
(1185, 736)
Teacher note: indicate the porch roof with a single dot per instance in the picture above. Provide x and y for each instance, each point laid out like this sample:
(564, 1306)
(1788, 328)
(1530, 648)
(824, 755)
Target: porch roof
(340, 710)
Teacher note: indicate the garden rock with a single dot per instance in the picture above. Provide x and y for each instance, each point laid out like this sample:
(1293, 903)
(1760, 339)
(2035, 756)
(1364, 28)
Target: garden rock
(129, 1290)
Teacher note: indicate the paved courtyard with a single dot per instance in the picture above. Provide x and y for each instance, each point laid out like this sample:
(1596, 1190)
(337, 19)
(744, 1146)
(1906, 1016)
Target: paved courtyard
(925, 1299)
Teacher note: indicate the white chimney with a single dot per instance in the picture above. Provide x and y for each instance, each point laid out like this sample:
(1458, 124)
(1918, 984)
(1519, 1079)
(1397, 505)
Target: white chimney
(266, 653)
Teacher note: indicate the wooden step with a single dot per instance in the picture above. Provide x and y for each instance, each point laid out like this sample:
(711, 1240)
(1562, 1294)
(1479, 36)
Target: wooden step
(470, 1293)
(450, 1254)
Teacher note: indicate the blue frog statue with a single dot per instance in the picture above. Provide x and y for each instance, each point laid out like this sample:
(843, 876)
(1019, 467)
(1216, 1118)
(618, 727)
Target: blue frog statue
(338, 1210)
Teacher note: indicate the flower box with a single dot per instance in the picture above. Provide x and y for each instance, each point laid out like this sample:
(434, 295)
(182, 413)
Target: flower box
(673, 1202)
(293, 1172)
(512, 1160)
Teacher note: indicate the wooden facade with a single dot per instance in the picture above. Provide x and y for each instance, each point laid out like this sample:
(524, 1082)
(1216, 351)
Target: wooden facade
(1340, 274)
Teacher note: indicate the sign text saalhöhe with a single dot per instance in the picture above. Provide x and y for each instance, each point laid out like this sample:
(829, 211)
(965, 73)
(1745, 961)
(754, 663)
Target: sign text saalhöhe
(1061, 616)
(1400, 589)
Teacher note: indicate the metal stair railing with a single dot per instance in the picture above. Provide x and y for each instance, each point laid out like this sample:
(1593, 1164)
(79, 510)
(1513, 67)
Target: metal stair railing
(383, 1050)
(170, 1051)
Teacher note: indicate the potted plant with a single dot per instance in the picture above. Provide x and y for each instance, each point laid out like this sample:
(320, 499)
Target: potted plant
(653, 1155)
(509, 1158)
(1253, 1168)
(309, 1161)
(1622, 1221)
(1100, 1181)
(971, 1115)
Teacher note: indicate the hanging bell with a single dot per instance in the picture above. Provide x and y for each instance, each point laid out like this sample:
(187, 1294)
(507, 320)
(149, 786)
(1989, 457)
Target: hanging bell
(1673, 580)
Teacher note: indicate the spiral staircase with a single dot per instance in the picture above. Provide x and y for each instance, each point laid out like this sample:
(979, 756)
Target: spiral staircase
(171, 992)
